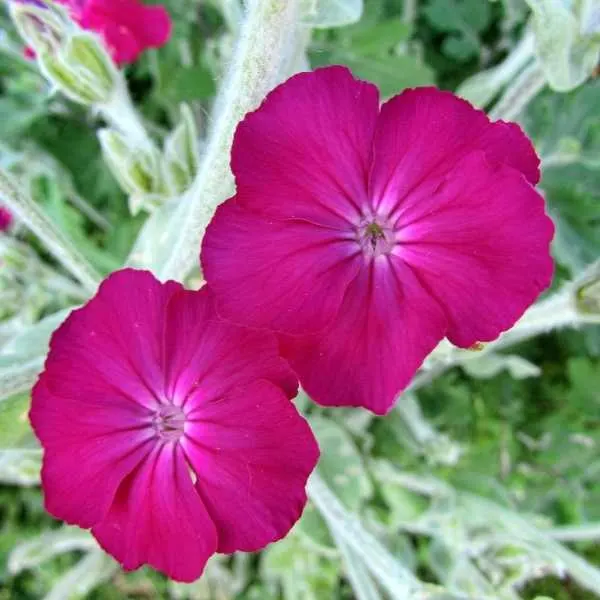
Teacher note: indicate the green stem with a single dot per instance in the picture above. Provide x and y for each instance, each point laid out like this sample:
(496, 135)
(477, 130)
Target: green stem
(121, 113)
(555, 312)
(410, 11)
(576, 533)
(55, 240)
(255, 69)
(520, 93)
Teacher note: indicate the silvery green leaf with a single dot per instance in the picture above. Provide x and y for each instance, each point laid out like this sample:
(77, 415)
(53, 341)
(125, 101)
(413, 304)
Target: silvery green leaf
(489, 365)
(20, 466)
(92, 570)
(331, 13)
(14, 422)
(341, 464)
(314, 530)
(481, 88)
(232, 12)
(18, 377)
(568, 54)
(420, 436)
(362, 584)
(56, 241)
(301, 573)
(405, 505)
(32, 342)
(217, 581)
(38, 550)
(390, 572)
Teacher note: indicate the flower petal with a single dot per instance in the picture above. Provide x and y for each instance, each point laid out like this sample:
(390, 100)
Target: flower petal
(113, 347)
(153, 27)
(158, 518)
(93, 401)
(106, 438)
(208, 356)
(6, 219)
(480, 245)
(124, 47)
(385, 328)
(305, 153)
(283, 275)
(128, 26)
(253, 454)
(423, 133)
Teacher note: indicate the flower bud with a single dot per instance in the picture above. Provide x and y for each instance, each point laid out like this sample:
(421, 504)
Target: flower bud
(137, 169)
(75, 61)
(42, 27)
(587, 292)
(181, 153)
(566, 40)
(6, 219)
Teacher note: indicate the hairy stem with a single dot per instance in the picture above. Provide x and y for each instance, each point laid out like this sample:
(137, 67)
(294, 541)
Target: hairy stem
(520, 93)
(254, 70)
(121, 113)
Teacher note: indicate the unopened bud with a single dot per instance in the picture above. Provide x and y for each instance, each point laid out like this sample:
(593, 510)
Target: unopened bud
(137, 169)
(42, 27)
(181, 153)
(75, 61)
(81, 70)
(587, 292)
(6, 219)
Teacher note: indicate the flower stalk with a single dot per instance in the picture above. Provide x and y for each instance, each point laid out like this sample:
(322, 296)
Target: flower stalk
(520, 93)
(120, 112)
(254, 70)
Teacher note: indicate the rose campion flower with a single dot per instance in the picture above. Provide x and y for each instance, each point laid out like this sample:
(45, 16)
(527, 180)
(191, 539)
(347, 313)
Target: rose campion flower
(365, 235)
(168, 432)
(6, 219)
(127, 27)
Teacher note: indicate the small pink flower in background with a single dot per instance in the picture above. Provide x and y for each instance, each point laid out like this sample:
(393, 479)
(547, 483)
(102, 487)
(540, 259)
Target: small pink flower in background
(6, 219)
(169, 433)
(365, 235)
(128, 27)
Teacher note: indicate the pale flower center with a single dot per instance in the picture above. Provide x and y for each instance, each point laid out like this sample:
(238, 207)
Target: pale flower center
(375, 238)
(169, 422)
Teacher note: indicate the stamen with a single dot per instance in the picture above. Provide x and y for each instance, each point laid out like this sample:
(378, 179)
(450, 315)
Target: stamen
(375, 238)
(169, 422)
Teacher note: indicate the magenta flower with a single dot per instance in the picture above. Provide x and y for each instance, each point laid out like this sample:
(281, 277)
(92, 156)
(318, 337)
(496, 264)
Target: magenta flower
(168, 432)
(6, 219)
(127, 27)
(364, 236)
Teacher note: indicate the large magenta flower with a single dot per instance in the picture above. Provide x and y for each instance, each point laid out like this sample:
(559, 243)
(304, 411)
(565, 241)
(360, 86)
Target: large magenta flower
(167, 431)
(366, 235)
(6, 219)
